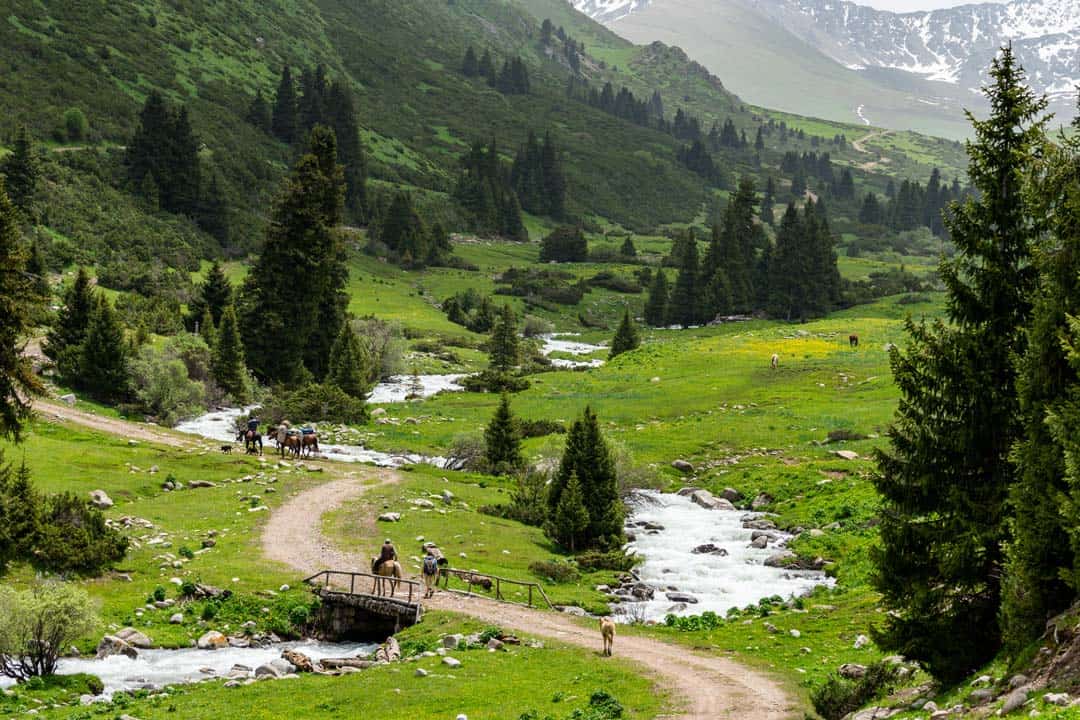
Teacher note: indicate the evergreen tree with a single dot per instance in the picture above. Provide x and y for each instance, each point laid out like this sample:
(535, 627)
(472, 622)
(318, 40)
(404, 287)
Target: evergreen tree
(39, 274)
(565, 244)
(259, 114)
(768, 202)
(20, 515)
(182, 193)
(502, 441)
(503, 349)
(628, 250)
(656, 305)
(683, 305)
(293, 302)
(64, 341)
(229, 370)
(871, 212)
(946, 472)
(20, 170)
(312, 103)
(285, 121)
(103, 368)
(788, 268)
(469, 66)
(759, 140)
(1042, 571)
(207, 329)
(213, 212)
(19, 305)
(570, 517)
(554, 182)
(163, 159)
(626, 337)
(486, 67)
(214, 294)
(342, 115)
(588, 457)
(350, 364)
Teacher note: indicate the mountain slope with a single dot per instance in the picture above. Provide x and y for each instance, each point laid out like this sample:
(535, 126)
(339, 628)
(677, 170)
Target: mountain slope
(819, 57)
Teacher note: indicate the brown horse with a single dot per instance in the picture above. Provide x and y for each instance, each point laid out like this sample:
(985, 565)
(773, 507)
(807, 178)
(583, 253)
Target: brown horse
(853, 340)
(251, 439)
(309, 442)
(389, 572)
(288, 442)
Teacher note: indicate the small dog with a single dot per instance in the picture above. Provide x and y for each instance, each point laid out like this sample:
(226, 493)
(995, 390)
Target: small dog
(607, 632)
(226, 449)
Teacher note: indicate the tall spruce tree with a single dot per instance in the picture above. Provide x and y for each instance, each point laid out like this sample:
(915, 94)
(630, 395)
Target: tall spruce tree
(350, 363)
(470, 67)
(768, 202)
(569, 520)
(215, 293)
(258, 113)
(626, 336)
(341, 110)
(293, 301)
(684, 304)
(1042, 571)
(228, 367)
(20, 170)
(103, 370)
(64, 340)
(19, 303)
(588, 457)
(502, 441)
(207, 329)
(946, 473)
(656, 305)
(285, 120)
(504, 348)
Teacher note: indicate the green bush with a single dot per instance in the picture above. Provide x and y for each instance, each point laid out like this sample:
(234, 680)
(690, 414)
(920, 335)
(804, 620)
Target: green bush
(707, 620)
(555, 571)
(314, 403)
(615, 560)
(74, 538)
(837, 696)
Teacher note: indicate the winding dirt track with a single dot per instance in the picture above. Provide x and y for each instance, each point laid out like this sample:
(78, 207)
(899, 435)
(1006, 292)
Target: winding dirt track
(705, 687)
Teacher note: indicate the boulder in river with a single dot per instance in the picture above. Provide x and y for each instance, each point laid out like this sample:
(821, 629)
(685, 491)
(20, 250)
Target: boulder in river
(731, 495)
(112, 645)
(760, 542)
(686, 491)
(212, 640)
(710, 549)
(680, 597)
(134, 638)
(782, 559)
(298, 660)
(705, 499)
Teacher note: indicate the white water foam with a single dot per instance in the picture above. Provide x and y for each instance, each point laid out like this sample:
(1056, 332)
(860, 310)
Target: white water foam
(157, 668)
(717, 582)
(553, 344)
(399, 387)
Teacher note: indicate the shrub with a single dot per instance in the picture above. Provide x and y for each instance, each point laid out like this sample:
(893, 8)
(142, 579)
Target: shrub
(565, 244)
(187, 589)
(159, 594)
(75, 124)
(707, 620)
(314, 403)
(75, 539)
(39, 623)
(555, 570)
(185, 552)
(837, 697)
(614, 282)
(540, 428)
(615, 560)
(535, 326)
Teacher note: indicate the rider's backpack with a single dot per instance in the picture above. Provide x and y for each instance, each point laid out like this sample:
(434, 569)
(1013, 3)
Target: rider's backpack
(431, 565)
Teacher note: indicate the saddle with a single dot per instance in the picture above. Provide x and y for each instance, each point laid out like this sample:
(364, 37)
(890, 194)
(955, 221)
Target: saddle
(308, 431)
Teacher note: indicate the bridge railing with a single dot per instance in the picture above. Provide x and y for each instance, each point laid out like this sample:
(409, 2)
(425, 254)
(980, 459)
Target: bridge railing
(355, 580)
(531, 592)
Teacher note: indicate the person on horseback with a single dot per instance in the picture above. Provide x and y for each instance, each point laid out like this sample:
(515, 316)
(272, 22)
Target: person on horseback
(253, 424)
(387, 554)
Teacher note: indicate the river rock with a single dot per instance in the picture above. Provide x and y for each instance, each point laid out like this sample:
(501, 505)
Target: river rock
(297, 660)
(705, 499)
(762, 500)
(135, 638)
(852, 671)
(112, 645)
(212, 640)
(758, 524)
(267, 670)
(680, 597)
(781, 559)
(100, 500)
(682, 466)
(1059, 699)
(731, 495)
(760, 542)
(686, 491)
(1014, 701)
(390, 517)
(641, 591)
(709, 549)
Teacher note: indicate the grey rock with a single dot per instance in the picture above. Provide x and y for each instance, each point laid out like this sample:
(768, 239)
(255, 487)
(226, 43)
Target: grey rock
(111, 645)
(1017, 681)
(1014, 701)
(1059, 699)
(682, 466)
(731, 495)
(679, 597)
(852, 671)
(453, 642)
(981, 696)
(267, 670)
(390, 517)
(421, 672)
(100, 500)
(762, 500)
(760, 542)
(451, 662)
(135, 638)
(176, 619)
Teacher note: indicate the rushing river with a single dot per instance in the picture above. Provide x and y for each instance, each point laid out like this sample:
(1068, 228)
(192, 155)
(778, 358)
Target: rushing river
(157, 668)
(717, 582)
(553, 343)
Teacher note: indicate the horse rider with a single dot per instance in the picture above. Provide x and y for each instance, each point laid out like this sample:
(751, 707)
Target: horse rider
(253, 426)
(387, 554)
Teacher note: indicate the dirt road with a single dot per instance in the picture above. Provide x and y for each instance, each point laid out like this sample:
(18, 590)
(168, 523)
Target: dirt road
(705, 686)
(49, 410)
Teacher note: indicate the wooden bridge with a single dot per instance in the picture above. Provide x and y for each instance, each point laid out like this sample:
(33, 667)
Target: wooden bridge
(360, 606)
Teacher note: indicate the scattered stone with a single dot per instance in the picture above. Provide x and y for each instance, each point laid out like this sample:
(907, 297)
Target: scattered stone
(760, 542)
(731, 495)
(201, 484)
(1017, 681)
(494, 644)
(794, 633)
(846, 454)
(981, 696)
(267, 670)
(68, 399)
(100, 500)
(422, 503)
(861, 641)
(705, 499)
(762, 500)
(451, 662)
(709, 549)
(177, 619)
(421, 672)
(682, 466)
(452, 642)
(390, 517)
(1014, 701)
(1059, 699)
(447, 497)
(212, 640)
(781, 559)
(771, 629)
(982, 680)
(378, 412)
(135, 638)
(852, 671)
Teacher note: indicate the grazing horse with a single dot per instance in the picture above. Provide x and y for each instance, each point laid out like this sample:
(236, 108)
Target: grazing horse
(389, 572)
(853, 340)
(607, 632)
(251, 439)
(775, 361)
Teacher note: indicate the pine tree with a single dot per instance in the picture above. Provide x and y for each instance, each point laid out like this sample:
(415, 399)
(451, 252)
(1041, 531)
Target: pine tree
(554, 182)
(350, 364)
(229, 370)
(768, 201)
(656, 305)
(502, 441)
(342, 113)
(20, 515)
(503, 348)
(588, 457)
(285, 121)
(1042, 571)
(626, 337)
(570, 517)
(182, 193)
(103, 368)
(38, 272)
(293, 301)
(487, 67)
(214, 294)
(469, 66)
(759, 140)
(946, 472)
(213, 212)
(788, 268)
(258, 113)
(207, 329)
(628, 250)
(312, 103)
(683, 305)
(19, 304)
(20, 170)
(64, 341)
